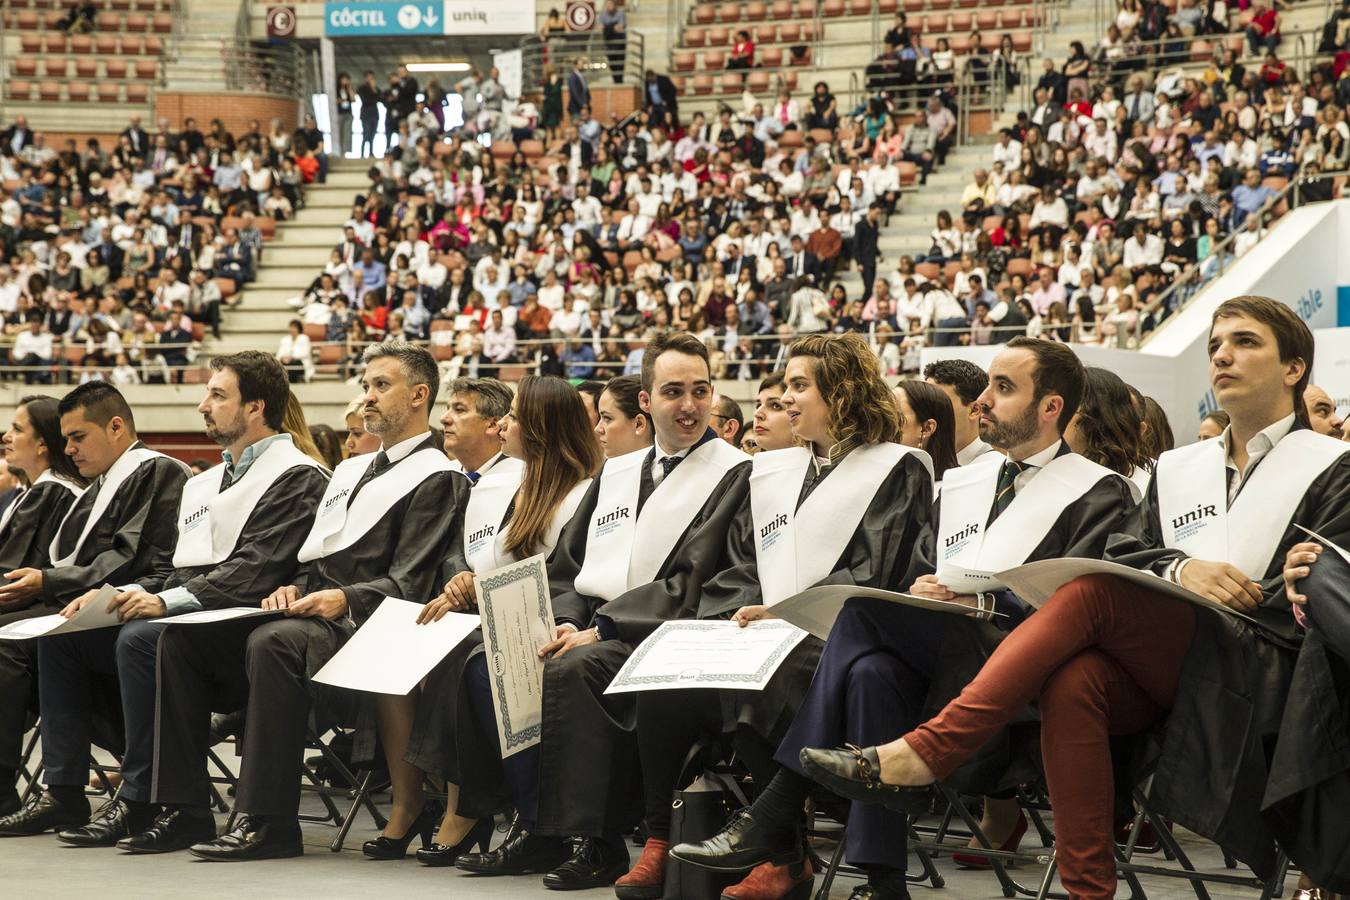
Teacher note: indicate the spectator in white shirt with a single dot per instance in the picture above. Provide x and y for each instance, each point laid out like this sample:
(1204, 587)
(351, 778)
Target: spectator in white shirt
(1007, 150)
(1143, 251)
(433, 272)
(33, 350)
(499, 341)
(293, 352)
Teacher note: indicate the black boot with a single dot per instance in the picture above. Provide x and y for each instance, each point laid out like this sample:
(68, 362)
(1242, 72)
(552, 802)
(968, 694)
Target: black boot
(595, 862)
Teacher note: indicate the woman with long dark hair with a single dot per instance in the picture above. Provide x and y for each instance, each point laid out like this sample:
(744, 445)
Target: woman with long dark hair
(1105, 430)
(927, 422)
(859, 529)
(34, 446)
(516, 510)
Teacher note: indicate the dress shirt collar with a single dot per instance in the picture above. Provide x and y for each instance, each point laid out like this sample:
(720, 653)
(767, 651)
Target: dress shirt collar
(403, 449)
(250, 455)
(972, 451)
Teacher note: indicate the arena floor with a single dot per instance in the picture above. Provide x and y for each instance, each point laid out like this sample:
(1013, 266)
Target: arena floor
(40, 867)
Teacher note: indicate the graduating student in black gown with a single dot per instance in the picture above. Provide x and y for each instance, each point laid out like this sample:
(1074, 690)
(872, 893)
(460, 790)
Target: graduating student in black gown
(33, 444)
(547, 439)
(611, 588)
(121, 530)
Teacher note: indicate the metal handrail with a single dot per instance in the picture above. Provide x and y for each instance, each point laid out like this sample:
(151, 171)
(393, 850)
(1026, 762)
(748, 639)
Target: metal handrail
(559, 50)
(1188, 283)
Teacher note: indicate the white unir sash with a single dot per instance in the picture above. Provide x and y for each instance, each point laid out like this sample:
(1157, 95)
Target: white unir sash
(210, 520)
(337, 526)
(796, 547)
(1193, 498)
(624, 549)
(497, 556)
(488, 502)
(121, 470)
(47, 476)
(968, 497)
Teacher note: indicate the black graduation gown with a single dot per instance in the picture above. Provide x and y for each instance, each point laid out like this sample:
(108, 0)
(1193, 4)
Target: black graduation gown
(27, 539)
(1082, 530)
(877, 556)
(1308, 794)
(1213, 753)
(588, 773)
(134, 539)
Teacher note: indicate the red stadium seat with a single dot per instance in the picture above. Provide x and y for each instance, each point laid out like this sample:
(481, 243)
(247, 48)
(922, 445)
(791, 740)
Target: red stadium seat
(30, 43)
(756, 11)
(79, 91)
(154, 46)
(25, 67)
(806, 9)
(137, 93)
(49, 91)
(116, 68)
(758, 81)
(731, 82)
(961, 22)
(105, 44)
(695, 37)
(87, 67)
(56, 43)
(781, 9)
(719, 37)
(729, 12)
(19, 90)
(860, 7)
(137, 22)
(55, 67)
(790, 32)
(703, 83)
(766, 34)
(81, 43)
(705, 13)
(714, 60)
(771, 57)
(108, 91)
(685, 61)
(130, 44)
(146, 69)
(832, 8)
(162, 23)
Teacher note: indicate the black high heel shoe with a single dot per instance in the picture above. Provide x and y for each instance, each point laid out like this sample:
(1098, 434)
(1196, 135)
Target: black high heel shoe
(424, 826)
(480, 835)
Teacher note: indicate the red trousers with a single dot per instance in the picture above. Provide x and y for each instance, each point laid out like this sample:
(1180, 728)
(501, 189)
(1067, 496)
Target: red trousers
(1105, 658)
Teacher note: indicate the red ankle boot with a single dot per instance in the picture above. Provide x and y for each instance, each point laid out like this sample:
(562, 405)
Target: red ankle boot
(770, 882)
(647, 879)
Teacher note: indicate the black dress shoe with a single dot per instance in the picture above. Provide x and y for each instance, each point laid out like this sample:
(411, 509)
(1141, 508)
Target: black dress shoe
(595, 862)
(520, 854)
(855, 773)
(43, 812)
(173, 829)
(112, 821)
(254, 837)
(742, 844)
(10, 803)
(480, 836)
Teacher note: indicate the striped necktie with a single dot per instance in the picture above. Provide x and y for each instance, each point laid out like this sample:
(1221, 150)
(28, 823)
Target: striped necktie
(1006, 490)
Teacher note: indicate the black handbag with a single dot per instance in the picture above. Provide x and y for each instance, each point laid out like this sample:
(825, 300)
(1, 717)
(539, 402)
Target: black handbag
(697, 813)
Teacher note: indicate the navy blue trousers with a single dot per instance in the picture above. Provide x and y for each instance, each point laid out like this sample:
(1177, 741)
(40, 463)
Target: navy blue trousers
(870, 685)
(87, 674)
(520, 771)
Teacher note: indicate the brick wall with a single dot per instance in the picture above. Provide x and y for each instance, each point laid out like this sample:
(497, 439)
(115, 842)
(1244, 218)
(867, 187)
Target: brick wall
(235, 110)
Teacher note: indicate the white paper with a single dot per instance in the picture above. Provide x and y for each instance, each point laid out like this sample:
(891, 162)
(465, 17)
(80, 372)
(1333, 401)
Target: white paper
(815, 609)
(94, 615)
(390, 653)
(1326, 544)
(517, 615)
(960, 580)
(229, 614)
(700, 653)
(1035, 582)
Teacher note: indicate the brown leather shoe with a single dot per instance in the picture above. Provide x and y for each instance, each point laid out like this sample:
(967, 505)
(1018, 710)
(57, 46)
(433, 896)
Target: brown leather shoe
(769, 882)
(647, 879)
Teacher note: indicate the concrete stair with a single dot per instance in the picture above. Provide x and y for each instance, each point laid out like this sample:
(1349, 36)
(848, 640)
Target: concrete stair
(198, 61)
(291, 261)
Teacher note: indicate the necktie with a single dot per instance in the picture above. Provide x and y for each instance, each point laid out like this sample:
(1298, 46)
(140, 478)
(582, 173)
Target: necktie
(668, 464)
(1134, 107)
(381, 463)
(473, 477)
(1006, 491)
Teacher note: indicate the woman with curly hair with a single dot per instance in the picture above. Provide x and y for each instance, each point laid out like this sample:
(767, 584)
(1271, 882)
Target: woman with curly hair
(859, 529)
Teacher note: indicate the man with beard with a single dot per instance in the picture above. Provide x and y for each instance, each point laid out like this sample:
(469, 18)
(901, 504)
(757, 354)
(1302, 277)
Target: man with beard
(882, 661)
(237, 539)
(385, 520)
(1322, 414)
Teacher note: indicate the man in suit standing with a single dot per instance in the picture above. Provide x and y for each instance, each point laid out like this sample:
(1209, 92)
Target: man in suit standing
(17, 136)
(662, 101)
(866, 251)
(803, 266)
(578, 94)
(140, 140)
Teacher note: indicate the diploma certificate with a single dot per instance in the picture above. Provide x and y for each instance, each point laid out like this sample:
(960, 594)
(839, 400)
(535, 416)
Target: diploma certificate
(390, 653)
(517, 616)
(693, 653)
